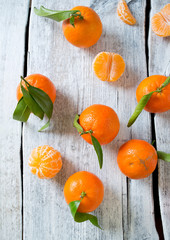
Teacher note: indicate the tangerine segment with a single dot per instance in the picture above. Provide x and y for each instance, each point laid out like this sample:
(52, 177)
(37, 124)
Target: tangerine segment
(137, 159)
(45, 162)
(124, 13)
(159, 101)
(108, 66)
(161, 22)
(102, 120)
(39, 81)
(87, 183)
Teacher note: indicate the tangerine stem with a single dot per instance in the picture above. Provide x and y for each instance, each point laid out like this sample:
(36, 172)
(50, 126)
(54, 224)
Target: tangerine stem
(90, 131)
(83, 194)
(77, 15)
(23, 79)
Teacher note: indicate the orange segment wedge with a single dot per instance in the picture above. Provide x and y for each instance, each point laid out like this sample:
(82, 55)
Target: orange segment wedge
(108, 66)
(161, 22)
(124, 13)
(45, 162)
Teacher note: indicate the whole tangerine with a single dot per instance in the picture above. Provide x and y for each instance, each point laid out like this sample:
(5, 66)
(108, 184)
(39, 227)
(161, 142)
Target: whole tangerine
(39, 81)
(85, 32)
(84, 185)
(159, 101)
(102, 120)
(137, 159)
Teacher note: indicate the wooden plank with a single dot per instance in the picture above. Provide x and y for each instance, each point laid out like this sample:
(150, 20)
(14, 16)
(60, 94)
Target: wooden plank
(46, 214)
(138, 207)
(12, 26)
(160, 64)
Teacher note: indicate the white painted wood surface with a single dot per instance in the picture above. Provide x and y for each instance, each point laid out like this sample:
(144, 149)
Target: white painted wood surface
(13, 20)
(46, 214)
(160, 64)
(127, 210)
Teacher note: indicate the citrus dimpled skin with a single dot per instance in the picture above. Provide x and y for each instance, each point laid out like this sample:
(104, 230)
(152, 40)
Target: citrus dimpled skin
(159, 101)
(41, 82)
(88, 183)
(102, 120)
(137, 159)
(108, 66)
(87, 31)
(45, 162)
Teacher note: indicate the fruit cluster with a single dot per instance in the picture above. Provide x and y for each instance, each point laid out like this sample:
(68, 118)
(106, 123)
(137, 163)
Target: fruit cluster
(98, 124)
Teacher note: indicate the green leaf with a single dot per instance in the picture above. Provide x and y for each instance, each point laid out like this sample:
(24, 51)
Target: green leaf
(142, 103)
(74, 206)
(45, 126)
(167, 81)
(98, 150)
(42, 99)
(34, 107)
(72, 21)
(57, 15)
(77, 125)
(164, 156)
(22, 111)
(82, 217)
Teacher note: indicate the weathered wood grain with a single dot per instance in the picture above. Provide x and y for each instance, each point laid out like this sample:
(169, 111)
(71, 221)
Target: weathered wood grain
(127, 209)
(160, 64)
(13, 20)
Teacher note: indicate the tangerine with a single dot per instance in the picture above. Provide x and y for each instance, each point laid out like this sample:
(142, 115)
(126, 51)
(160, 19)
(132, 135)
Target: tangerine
(161, 22)
(108, 66)
(124, 13)
(45, 162)
(84, 185)
(159, 101)
(41, 82)
(86, 31)
(137, 159)
(102, 121)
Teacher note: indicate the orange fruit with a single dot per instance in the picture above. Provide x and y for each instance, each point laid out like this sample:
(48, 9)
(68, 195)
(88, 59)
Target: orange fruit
(161, 22)
(84, 184)
(137, 159)
(87, 31)
(45, 161)
(124, 13)
(108, 66)
(41, 82)
(159, 101)
(102, 120)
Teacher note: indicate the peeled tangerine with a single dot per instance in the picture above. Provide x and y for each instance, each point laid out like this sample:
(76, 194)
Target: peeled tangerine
(161, 22)
(108, 66)
(124, 13)
(45, 162)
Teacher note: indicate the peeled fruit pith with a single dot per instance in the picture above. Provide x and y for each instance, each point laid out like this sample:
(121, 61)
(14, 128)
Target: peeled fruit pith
(108, 66)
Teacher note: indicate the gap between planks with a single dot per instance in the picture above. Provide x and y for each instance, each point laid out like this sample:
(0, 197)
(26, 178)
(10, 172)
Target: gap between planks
(157, 215)
(21, 149)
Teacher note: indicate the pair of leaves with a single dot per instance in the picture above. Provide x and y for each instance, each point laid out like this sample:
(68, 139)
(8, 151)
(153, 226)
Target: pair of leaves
(143, 101)
(58, 15)
(82, 217)
(34, 100)
(95, 142)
